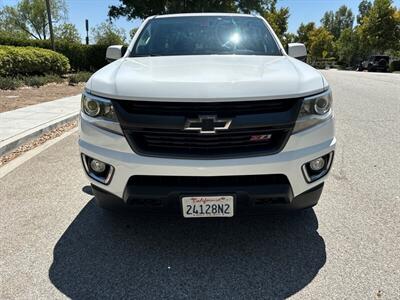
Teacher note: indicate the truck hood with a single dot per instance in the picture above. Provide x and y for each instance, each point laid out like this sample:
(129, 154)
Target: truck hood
(206, 78)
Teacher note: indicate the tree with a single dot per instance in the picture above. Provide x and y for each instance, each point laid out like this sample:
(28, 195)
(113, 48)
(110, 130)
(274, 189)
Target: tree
(304, 33)
(9, 30)
(350, 49)
(343, 19)
(67, 32)
(321, 43)
(30, 16)
(144, 8)
(336, 22)
(278, 19)
(328, 20)
(108, 34)
(396, 49)
(363, 10)
(345, 46)
(132, 32)
(290, 38)
(380, 29)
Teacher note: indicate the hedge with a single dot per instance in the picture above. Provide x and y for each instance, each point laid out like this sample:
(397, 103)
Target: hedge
(81, 57)
(14, 82)
(10, 83)
(31, 61)
(38, 81)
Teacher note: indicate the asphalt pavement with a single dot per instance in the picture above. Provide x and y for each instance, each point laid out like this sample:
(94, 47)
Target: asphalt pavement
(55, 243)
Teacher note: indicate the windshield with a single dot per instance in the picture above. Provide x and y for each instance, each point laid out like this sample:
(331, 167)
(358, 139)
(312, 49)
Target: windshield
(205, 35)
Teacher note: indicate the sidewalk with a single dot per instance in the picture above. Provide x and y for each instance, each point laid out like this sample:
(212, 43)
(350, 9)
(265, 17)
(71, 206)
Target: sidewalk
(21, 125)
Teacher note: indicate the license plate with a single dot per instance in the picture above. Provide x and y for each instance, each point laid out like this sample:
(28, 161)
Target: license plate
(207, 206)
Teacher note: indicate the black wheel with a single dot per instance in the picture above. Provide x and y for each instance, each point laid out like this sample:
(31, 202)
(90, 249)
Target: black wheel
(383, 65)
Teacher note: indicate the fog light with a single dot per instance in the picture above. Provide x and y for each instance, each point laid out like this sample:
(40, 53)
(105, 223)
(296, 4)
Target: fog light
(317, 164)
(97, 169)
(317, 168)
(97, 166)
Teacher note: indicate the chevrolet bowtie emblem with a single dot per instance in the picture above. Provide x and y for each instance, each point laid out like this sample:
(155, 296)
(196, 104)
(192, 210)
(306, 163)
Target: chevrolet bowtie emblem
(207, 124)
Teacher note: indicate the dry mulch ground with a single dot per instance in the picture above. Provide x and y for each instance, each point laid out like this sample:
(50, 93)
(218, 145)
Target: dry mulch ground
(25, 96)
(36, 142)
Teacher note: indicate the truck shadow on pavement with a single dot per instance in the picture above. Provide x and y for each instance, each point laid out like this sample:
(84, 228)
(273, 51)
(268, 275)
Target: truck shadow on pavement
(104, 255)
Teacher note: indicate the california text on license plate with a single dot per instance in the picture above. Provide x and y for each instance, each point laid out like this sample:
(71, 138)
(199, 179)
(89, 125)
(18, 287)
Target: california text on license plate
(207, 206)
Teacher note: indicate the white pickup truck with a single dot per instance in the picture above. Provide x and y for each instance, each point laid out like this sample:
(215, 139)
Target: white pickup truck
(206, 115)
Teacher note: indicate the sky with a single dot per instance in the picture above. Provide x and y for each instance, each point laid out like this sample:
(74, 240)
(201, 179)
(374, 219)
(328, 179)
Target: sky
(96, 11)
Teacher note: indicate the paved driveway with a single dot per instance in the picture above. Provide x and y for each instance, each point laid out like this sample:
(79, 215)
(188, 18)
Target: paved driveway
(56, 243)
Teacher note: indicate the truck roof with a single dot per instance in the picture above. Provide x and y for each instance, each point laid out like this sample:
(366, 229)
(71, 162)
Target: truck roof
(203, 15)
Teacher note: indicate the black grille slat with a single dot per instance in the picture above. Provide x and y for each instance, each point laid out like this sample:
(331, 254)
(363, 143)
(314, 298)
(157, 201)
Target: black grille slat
(181, 108)
(219, 134)
(215, 145)
(204, 146)
(157, 128)
(194, 143)
(201, 143)
(198, 139)
(211, 139)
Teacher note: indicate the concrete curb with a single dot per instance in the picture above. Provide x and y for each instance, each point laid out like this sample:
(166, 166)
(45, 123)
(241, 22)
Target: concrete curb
(15, 163)
(11, 144)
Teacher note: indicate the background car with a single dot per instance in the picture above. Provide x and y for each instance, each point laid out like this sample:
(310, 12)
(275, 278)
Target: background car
(375, 63)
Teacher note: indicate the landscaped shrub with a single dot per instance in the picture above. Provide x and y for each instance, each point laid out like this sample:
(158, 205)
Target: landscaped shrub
(81, 57)
(10, 83)
(79, 77)
(38, 81)
(31, 60)
(395, 66)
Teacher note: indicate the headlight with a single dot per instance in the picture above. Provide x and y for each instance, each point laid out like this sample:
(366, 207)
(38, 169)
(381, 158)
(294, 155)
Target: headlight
(314, 110)
(100, 113)
(91, 107)
(97, 107)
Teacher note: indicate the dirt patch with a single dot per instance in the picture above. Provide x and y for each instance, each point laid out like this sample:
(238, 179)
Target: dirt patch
(25, 96)
(56, 132)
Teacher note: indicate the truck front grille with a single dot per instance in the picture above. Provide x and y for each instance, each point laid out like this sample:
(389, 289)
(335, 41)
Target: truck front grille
(256, 127)
(194, 108)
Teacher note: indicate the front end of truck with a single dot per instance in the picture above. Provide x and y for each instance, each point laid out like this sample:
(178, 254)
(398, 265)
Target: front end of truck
(209, 148)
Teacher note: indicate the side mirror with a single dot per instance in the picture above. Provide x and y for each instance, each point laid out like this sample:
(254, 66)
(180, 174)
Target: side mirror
(114, 52)
(297, 50)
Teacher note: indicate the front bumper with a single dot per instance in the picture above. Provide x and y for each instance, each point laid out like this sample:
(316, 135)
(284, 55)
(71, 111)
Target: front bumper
(114, 150)
(247, 201)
